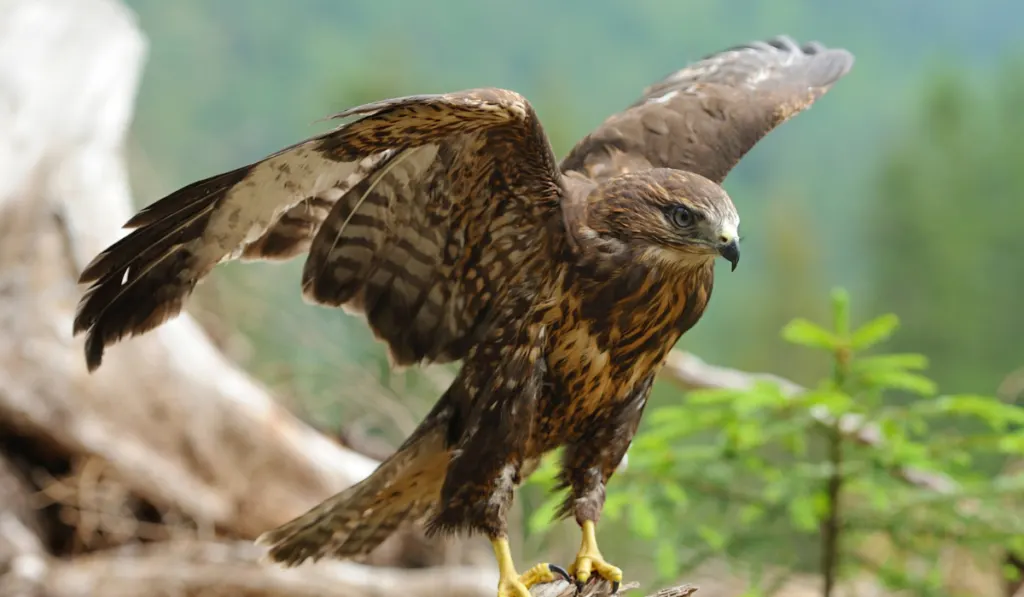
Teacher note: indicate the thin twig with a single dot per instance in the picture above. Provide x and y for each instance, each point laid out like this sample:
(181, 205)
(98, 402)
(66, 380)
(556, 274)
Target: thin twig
(831, 527)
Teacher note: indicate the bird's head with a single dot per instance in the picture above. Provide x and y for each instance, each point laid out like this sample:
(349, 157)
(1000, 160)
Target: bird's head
(668, 216)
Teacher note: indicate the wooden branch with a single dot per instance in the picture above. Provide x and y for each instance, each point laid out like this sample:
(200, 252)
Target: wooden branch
(690, 372)
(21, 548)
(602, 588)
(182, 426)
(214, 569)
(211, 569)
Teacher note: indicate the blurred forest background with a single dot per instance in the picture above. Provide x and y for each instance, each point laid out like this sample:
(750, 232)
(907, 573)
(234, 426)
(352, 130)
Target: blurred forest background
(903, 184)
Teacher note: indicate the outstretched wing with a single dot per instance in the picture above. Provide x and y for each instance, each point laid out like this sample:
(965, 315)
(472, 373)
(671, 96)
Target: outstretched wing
(707, 116)
(416, 214)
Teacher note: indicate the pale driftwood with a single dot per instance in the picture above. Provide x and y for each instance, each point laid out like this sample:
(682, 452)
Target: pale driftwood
(183, 426)
(21, 549)
(213, 569)
(208, 569)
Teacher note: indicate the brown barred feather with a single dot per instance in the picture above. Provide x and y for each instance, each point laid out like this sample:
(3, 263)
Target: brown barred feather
(292, 233)
(352, 523)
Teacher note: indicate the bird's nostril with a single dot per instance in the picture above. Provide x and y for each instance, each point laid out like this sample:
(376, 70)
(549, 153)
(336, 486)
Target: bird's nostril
(723, 239)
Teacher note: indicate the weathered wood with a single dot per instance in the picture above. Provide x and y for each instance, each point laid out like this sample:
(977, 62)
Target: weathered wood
(22, 553)
(182, 425)
(168, 417)
(213, 569)
(602, 588)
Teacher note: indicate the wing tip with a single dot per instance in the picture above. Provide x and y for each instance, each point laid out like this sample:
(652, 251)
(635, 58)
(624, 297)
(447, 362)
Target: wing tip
(822, 65)
(829, 65)
(117, 305)
(94, 349)
(102, 330)
(825, 65)
(95, 269)
(785, 43)
(96, 340)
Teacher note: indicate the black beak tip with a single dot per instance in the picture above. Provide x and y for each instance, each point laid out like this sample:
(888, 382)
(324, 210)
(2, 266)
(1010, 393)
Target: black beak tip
(731, 252)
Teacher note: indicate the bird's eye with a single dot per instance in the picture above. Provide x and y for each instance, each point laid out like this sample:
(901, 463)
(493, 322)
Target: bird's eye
(680, 216)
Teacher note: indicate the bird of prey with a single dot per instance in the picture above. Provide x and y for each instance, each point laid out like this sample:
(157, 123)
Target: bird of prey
(447, 222)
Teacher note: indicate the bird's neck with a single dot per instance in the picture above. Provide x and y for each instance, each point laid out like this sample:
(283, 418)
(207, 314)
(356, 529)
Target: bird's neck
(678, 291)
(692, 283)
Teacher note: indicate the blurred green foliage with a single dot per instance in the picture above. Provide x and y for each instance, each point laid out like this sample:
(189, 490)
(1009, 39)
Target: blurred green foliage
(767, 479)
(945, 239)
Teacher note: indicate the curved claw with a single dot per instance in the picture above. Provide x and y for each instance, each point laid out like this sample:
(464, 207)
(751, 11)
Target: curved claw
(555, 568)
(590, 562)
(587, 566)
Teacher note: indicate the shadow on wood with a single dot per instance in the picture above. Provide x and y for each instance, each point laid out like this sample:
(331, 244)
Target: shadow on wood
(603, 588)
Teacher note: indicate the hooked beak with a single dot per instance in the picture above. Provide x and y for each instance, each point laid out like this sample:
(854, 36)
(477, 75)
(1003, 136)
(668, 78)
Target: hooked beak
(731, 251)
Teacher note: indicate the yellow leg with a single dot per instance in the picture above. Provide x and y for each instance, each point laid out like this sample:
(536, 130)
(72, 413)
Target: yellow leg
(510, 582)
(589, 560)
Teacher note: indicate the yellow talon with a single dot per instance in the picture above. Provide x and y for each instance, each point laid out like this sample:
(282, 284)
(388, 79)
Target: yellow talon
(539, 574)
(510, 582)
(589, 560)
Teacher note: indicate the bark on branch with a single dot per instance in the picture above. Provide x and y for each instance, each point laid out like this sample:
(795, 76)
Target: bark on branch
(214, 569)
(561, 588)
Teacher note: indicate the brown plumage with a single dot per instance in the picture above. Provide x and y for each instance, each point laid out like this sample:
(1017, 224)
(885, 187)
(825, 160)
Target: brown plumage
(447, 221)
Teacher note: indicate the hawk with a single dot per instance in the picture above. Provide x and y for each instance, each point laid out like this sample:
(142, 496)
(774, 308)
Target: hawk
(447, 222)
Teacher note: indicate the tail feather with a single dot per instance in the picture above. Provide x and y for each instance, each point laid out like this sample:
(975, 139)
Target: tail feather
(374, 530)
(354, 522)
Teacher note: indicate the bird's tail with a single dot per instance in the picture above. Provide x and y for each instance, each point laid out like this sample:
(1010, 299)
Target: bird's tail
(352, 523)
